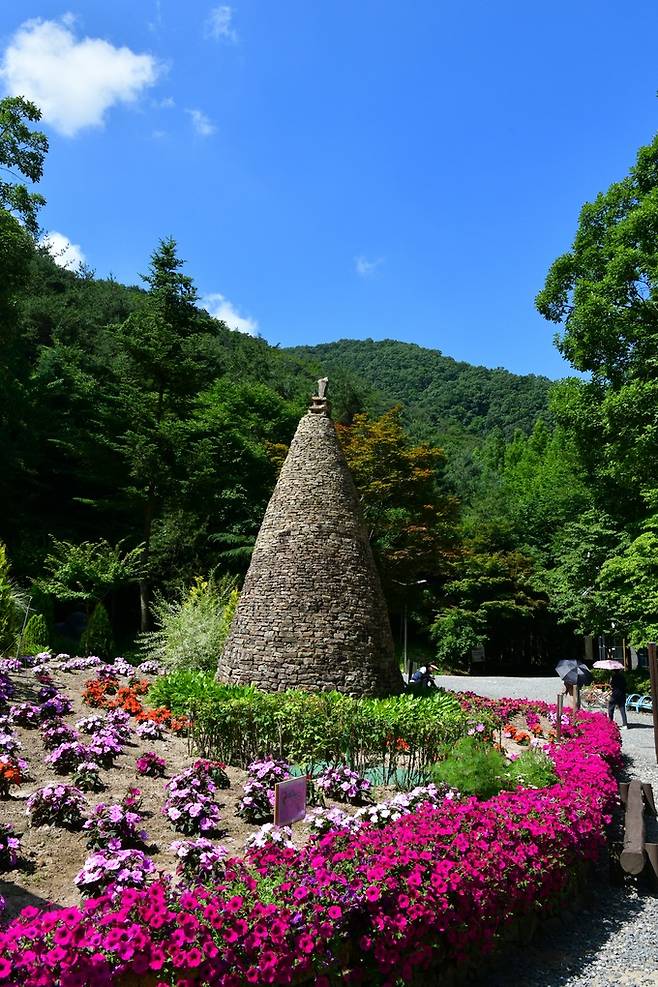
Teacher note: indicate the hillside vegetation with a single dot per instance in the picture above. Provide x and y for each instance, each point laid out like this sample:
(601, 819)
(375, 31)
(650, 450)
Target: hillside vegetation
(443, 399)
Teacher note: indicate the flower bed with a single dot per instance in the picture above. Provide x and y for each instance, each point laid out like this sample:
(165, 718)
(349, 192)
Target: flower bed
(368, 906)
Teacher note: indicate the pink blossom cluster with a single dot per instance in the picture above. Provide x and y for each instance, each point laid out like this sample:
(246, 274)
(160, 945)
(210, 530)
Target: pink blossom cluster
(151, 764)
(25, 715)
(343, 784)
(108, 823)
(190, 806)
(366, 906)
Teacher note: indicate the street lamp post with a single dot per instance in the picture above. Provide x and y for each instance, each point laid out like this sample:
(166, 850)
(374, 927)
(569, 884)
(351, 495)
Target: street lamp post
(406, 663)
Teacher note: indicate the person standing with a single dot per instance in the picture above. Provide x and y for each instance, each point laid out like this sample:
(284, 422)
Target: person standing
(618, 697)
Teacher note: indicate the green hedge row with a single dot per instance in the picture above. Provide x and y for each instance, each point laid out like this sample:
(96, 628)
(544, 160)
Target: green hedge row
(395, 739)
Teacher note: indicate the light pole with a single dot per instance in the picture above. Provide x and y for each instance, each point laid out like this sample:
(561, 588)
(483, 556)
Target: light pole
(418, 582)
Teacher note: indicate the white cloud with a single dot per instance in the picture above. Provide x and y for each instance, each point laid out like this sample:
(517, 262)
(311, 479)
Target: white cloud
(62, 251)
(201, 123)
(74, 81)
(221, 308)
(167, 103)
(218, 25)
(366, 268)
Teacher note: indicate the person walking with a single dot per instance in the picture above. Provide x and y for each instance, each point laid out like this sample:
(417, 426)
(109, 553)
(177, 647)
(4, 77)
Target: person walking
(618, 697)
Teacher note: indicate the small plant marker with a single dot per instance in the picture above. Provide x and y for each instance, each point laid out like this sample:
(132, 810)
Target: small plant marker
(289, 801)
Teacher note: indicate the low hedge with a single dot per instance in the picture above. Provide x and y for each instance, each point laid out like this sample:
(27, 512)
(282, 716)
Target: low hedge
(374, 906)
(401, 736)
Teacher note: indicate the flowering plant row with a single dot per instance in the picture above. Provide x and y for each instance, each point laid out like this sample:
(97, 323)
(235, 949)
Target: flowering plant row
(375, 905)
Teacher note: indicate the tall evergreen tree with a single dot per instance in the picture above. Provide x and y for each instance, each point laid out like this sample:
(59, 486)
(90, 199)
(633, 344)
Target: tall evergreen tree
(161, 359)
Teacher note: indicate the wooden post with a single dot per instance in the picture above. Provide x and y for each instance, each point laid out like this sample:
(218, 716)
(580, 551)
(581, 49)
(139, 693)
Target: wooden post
(558, 724)
(653, 673)
(632, 857)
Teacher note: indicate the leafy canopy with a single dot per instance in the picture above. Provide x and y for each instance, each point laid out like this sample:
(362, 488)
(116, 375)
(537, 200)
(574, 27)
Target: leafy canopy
(88, 571)
(22, 154)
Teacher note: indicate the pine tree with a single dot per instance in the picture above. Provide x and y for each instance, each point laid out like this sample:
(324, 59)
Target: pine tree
(35, 636)
(161, 361)
(97, 638)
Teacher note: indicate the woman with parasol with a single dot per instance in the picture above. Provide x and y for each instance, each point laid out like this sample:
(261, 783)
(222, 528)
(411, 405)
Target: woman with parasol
(617, 688)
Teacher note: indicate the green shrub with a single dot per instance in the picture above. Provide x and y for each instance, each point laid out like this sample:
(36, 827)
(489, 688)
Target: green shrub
(190, 689)
(9, 612)
(637, 679)
(192, 628)
(400, 737)
(473, 767)
(97, 636)
(532, 769)
(35, 636)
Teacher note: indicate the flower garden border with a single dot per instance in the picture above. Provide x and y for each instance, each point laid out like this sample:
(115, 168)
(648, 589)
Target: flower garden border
(434, 888)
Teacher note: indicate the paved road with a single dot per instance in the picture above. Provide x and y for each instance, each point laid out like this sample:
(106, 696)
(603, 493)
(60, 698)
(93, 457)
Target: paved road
(639, 738)
(613, 940)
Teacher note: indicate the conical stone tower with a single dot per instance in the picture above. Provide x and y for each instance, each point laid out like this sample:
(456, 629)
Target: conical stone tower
(312, 614)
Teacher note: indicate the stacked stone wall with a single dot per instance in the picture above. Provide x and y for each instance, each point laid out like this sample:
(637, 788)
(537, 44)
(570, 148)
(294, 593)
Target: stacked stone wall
(312, 614)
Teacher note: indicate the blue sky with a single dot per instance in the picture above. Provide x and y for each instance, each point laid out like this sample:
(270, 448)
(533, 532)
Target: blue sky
(338, 168)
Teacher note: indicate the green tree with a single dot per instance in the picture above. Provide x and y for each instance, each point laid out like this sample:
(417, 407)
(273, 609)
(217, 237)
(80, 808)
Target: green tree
(88, 572)
(603, 293)
(193, 626)
(490, 599)
(580, 551)
(411, 516)
(161, 360)
(97, 636)
(629, 580)
(22, 154)
(9, 614)
(35, 637)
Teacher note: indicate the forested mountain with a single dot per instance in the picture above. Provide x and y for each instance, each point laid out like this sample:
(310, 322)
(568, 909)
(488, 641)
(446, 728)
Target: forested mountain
(444, 399)
(140, 440)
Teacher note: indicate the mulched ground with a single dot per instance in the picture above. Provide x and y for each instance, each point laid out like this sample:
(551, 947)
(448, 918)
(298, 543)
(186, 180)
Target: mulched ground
(53, 856)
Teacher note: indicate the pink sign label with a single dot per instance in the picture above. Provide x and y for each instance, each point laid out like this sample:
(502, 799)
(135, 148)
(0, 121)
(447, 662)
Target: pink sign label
(289, 801)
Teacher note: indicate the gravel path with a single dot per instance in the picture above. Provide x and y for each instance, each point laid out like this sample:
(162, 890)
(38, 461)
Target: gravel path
(611, 941)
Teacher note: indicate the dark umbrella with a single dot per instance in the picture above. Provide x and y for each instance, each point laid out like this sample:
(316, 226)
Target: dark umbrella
(573, 672)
